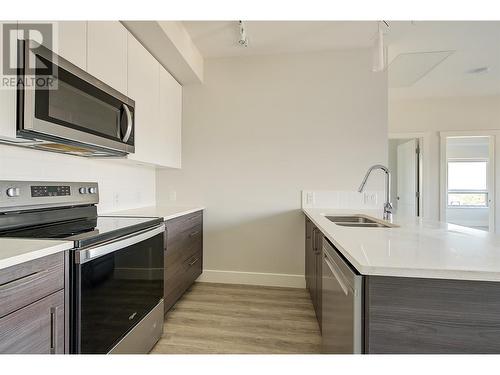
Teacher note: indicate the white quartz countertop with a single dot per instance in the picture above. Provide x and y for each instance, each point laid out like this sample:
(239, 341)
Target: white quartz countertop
(417, 248)
(15, 251)
(166, 212)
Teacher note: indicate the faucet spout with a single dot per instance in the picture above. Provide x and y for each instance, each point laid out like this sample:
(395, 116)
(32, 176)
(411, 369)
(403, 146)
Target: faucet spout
(387, 205)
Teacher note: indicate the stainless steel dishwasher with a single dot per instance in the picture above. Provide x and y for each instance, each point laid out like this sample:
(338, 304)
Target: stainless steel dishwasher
(342, 305)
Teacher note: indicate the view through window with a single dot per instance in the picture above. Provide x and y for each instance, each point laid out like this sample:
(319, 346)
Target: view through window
(467, 183)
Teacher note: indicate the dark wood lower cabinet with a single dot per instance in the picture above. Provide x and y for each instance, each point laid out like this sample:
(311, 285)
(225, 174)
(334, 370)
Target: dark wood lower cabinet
(313, 266)
(32, 307)
(183, 255)
(35, 329)
(414, 315)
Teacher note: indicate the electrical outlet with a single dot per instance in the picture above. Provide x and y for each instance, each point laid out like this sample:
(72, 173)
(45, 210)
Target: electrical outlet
(370, 199)
(310, 197)
(172, 195)
(116, 199)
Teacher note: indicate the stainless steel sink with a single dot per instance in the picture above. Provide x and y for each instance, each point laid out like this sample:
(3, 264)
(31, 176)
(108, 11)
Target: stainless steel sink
(363, 225)
(350, 219)
(358, 221)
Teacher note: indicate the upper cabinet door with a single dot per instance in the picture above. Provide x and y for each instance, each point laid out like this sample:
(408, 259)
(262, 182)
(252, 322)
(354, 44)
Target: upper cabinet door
(143, 88)
(107, 53)
(170, 120)
(69, 39)
(72, 41)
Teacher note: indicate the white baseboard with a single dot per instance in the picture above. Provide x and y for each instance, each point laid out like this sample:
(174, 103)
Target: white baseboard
(253, 278)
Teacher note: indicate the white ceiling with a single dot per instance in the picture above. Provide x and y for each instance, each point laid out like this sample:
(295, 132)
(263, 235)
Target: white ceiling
(219, 38)
(474, 44)
(463, 46)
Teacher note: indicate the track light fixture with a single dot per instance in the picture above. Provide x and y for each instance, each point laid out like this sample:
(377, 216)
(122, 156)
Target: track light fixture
(379, 49)
(243, 41)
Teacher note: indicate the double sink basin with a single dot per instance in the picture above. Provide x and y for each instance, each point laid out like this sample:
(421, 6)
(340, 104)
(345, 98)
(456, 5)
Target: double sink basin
(358, 221)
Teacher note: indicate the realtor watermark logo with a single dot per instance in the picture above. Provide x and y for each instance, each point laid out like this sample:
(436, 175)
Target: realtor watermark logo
(25, 63)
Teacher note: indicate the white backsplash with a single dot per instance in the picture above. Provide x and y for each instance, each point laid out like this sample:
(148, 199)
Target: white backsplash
(342, 199)
(122, 185)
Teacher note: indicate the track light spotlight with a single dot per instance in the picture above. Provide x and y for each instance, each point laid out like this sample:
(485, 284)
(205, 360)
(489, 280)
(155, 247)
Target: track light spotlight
(243, 41)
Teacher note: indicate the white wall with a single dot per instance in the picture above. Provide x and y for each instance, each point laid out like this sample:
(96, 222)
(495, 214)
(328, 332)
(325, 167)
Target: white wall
(121, 186)
(260, 130)
(433, 115)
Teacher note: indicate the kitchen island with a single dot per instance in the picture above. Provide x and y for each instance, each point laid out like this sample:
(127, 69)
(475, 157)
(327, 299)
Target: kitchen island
(426, 286)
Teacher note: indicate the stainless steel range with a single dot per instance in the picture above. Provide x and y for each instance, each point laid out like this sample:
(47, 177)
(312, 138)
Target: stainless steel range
(116, 266)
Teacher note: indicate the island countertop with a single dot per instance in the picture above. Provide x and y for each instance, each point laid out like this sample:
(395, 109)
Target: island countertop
(415, 248)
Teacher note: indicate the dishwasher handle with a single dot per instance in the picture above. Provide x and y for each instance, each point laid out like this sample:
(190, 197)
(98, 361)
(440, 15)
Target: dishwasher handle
(336, 274)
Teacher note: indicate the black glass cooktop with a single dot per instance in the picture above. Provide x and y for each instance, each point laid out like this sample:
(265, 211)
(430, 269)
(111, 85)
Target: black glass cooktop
(87, 231)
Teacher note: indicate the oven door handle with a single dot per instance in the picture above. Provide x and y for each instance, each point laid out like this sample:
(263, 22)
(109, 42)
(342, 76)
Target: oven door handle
(86, 255)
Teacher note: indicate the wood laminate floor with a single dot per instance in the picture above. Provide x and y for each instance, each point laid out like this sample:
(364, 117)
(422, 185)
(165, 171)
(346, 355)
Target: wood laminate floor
(240, 319)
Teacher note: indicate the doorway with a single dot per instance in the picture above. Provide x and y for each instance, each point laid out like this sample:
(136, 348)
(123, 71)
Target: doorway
(405, 164)
(467, 180)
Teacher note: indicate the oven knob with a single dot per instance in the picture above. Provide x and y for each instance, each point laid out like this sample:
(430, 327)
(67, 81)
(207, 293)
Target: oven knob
(13, 192)
(83, 190)
(92, 190)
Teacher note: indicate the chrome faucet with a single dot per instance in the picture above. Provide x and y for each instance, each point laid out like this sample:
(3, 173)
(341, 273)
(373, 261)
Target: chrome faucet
(387, 204)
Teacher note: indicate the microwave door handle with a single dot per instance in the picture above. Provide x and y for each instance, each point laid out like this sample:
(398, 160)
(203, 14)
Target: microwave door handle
(129, 123)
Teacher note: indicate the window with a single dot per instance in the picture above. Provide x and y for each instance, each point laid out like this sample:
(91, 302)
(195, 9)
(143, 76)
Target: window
(467, 183)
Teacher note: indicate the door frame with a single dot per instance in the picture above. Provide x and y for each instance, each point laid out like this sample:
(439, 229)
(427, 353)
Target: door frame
(491, 175)
(423, 169)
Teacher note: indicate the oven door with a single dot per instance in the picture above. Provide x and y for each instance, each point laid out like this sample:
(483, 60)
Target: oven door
(59, 101)
(115, 285)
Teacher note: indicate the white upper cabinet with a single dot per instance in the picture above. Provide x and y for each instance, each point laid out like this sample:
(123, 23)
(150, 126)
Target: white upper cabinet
(170, 120)
(7, 95)
(107, 53)
(143, 88)
(69, 39)
(72, 42)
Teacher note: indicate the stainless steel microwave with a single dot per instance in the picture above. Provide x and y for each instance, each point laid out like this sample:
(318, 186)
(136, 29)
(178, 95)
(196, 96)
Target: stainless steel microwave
(62, 108)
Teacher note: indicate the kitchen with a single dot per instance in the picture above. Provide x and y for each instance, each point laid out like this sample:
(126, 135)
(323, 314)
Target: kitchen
(191, 187)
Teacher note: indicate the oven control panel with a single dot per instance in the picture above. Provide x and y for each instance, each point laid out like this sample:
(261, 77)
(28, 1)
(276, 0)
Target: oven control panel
(16, 195)
(50, 191)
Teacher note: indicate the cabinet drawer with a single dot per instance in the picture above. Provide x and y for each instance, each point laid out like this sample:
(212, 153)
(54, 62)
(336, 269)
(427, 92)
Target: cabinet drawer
(35, 329)
(28, 282)
(184, 235)
(183, 226)
(193, 267)
(179, 278)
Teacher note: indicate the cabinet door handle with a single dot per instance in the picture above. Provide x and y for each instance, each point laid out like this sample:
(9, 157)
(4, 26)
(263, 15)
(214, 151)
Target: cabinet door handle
(335, 273)
(193, 262)
(314, 239)
(194, 233)
(53, 333)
